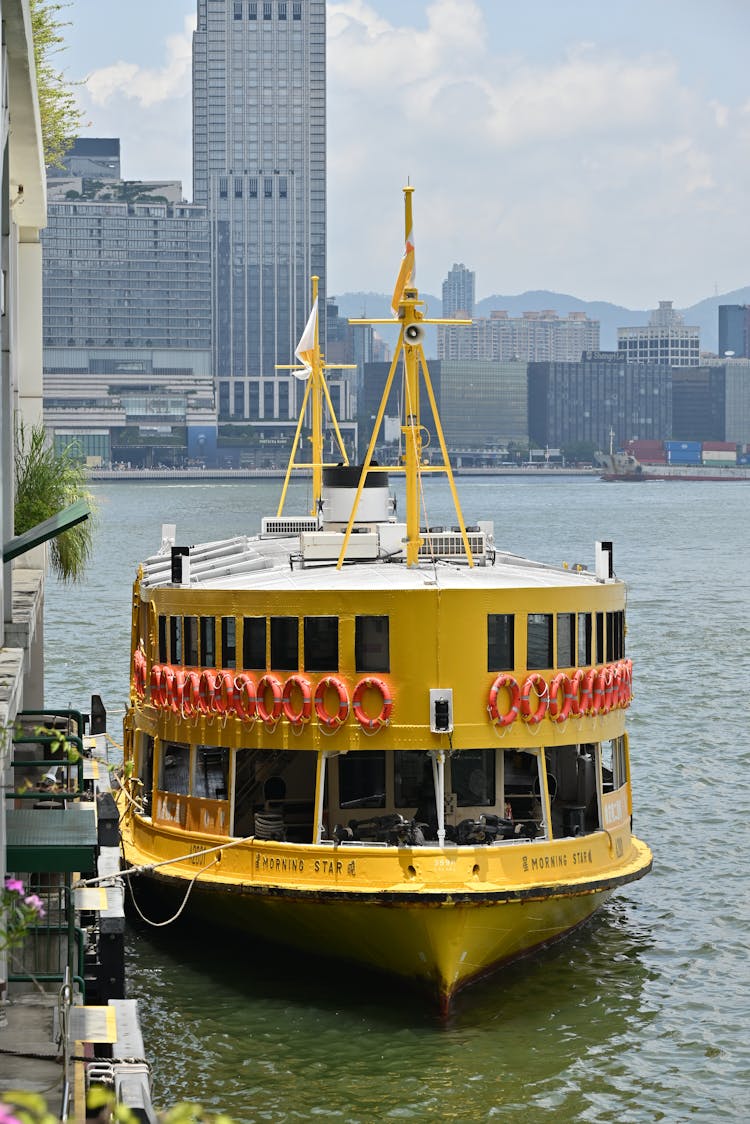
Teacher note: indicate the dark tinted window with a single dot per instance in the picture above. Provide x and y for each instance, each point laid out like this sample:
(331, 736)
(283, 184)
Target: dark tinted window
(615, 635)
(321, 643)
(539, 640)
(175, 639)
(284, 643)
(500, 642)
(473, 777)
(208, 641)
(254, 642)
(584, 638)
(362, 779)
(599, 638)
(371, 644)
(566, 639)
(228, 642)
(190, 640)
(162, 639)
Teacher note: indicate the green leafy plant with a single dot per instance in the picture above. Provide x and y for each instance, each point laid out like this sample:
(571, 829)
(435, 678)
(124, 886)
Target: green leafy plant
(46, 483)
(60, 116)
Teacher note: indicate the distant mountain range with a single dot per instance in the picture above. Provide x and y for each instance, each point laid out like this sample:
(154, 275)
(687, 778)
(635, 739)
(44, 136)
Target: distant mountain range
(704, 315)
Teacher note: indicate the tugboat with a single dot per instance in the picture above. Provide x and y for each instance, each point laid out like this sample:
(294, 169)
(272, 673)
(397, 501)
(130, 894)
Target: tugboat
(393, 744)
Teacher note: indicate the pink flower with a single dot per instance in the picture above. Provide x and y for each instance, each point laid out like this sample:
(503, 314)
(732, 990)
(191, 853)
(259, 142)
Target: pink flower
(7, 1117)
(15, 886)
(34, 902)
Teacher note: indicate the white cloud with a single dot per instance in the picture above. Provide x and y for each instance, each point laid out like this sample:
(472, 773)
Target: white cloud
(147, 86)
(594, 172)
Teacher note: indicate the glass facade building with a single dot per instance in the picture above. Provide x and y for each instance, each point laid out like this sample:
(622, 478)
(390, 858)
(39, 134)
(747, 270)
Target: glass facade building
(665, 339)
(583, 401)
(259, 166)
(734, 330)
(483, 403)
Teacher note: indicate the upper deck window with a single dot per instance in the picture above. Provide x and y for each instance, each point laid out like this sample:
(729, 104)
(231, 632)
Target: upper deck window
(208, 641)
(254, 642)
(372, 644)
(566, 639)
(615, 635)
(162, 640)
(599, 653)
(228, 642)
(321, 643)
(584, 638)
(284, 643)
(500, 642)
(175, 639)
(190, 640)
(539, 640)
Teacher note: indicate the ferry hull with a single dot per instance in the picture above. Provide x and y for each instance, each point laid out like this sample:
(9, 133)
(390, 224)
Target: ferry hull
(438, 939)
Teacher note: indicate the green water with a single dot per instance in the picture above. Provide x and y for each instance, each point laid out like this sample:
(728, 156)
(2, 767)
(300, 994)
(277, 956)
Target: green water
(642, 1016)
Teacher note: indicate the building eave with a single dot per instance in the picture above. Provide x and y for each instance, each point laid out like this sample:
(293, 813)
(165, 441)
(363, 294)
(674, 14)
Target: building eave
(28, 190)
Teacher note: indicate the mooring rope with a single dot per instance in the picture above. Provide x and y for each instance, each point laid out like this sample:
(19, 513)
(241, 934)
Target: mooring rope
(170, 920)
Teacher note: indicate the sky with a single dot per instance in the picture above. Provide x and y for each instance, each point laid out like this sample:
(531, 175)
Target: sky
(582, 146)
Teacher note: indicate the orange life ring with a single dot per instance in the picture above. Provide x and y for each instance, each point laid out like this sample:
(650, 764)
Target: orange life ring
(560, 711)
(206, 692)
(599, 704)
(272, 684)
(191, 693)
(244, 696)
(386, 708)
(610, 699)
(139, 672)
(301, 716)
(331, 721)
(514, 692)
(586, 695)
(573, 692)
(156, 683)
(167, 687)
(627, 682)
(175, 689)
(223, 700)
(538, 683)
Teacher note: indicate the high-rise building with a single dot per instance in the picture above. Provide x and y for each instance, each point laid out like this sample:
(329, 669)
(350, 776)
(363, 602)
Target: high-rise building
(458, 292)
(259, 166)
(734, 330)
(533, 337)
(665, 339)
(126, 317)
(582, 402)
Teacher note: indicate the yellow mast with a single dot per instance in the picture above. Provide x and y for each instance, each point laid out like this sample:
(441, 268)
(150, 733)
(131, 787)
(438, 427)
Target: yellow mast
(412, 320)
(312, 368)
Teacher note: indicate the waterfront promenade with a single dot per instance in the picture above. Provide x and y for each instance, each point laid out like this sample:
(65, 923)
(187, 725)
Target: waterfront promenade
(205, 475)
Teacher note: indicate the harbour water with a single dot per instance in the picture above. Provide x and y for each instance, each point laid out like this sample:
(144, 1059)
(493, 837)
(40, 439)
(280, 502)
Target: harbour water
(642, 1016)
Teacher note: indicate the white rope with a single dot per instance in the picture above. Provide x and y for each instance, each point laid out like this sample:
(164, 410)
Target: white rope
(145, 867)
(170, 920)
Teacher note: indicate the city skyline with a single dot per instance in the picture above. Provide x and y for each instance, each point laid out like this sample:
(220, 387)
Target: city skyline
(606, 161)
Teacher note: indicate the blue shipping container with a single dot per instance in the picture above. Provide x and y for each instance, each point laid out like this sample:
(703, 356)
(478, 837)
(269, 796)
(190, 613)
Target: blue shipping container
(683, 446)
(678, 456)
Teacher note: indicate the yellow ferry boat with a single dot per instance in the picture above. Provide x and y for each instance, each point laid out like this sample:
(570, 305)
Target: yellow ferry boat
(377, 741)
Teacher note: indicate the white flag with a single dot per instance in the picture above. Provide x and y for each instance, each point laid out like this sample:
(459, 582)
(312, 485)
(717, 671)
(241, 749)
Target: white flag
(305, 349)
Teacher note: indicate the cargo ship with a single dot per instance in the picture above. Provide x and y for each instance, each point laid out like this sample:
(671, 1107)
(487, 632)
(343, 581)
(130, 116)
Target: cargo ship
(644, 461)
(379, 740)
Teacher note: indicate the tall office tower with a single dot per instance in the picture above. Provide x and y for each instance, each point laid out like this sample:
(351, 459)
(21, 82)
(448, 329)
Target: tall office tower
(734, 330)
(666, 339)
(259, 165)
(458, 292)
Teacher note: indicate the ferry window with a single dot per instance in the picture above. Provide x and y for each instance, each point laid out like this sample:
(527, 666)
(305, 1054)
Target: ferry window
(362, 779)
(372, 644)
(539, 640)
(584, 638)
(175, 768)
(228, 642)
(254, 642)
(162, 639)
(190, 640)
(208, 641)
(473, 777)
(175, 639)
(500, 642)
(599, 656)
(210, 779)
(284, 643)
(614, 770)
(412, 779)
(145, 767)
(566, 639)
(321, 643)
(615, 640)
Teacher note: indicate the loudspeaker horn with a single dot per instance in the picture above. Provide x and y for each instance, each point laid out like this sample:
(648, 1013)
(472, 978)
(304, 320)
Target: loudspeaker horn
(414, 334)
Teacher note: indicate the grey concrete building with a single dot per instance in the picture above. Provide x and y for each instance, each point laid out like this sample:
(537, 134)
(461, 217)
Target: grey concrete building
(259, 166)
(458, 291)
(665, 339)
(533, 337)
